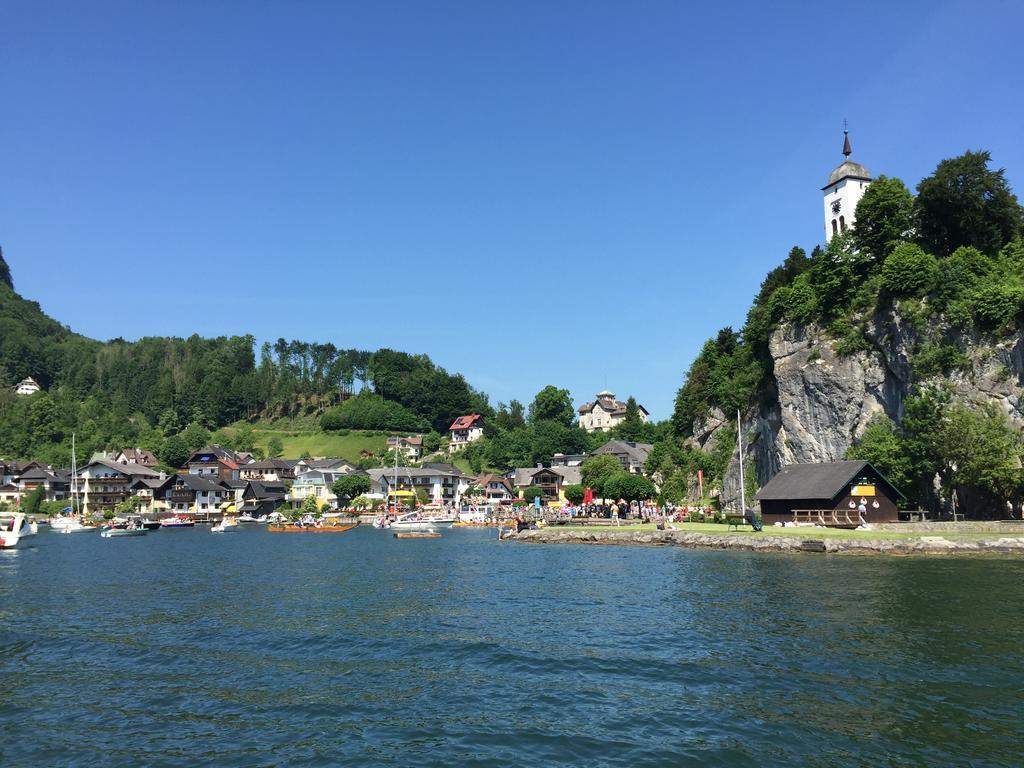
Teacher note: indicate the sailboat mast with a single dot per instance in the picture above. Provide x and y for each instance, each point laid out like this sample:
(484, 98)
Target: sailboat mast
(74, 475)
(739, 441)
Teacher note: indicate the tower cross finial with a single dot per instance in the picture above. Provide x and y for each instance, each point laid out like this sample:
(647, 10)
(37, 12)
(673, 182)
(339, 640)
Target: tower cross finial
(846, 141)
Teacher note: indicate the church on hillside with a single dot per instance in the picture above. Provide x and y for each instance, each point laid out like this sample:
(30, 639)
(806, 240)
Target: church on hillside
(845, 188)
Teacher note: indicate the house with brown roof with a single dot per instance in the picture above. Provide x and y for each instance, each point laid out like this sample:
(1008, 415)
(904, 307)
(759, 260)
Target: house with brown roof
(605, 412)
(268, 470)
(829, 493)
(214, 461)
(465, 430)
(412, 447)
(494, 488)
(135, 456)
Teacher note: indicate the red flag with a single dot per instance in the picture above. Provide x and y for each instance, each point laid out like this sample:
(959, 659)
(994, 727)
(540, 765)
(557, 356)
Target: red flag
(588, 496)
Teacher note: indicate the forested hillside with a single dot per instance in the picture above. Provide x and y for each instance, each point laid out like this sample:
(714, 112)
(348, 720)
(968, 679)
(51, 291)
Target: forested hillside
(900, 342)
(166, 394)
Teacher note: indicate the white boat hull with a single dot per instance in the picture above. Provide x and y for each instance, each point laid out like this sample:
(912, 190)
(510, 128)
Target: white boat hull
(14, 528)
(67, 525)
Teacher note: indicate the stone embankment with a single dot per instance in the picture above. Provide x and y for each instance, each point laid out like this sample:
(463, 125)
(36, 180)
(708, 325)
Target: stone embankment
(1010, 543)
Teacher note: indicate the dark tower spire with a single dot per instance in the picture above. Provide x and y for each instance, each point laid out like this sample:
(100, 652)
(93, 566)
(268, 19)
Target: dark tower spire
(846, 141)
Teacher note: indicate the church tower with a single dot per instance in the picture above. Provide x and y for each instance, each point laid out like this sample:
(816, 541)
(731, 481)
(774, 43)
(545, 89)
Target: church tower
(844, 190)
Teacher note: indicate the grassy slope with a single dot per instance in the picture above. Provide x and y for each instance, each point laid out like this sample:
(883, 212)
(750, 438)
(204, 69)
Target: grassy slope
(320, 443)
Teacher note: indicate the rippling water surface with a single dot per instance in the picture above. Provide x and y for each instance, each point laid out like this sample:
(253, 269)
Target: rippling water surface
(255, 649)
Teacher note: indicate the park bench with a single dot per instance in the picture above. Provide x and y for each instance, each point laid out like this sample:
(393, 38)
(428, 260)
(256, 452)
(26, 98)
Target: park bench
(735, 521)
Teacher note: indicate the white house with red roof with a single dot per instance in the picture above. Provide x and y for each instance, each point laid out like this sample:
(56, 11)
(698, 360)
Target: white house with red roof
(465, 430)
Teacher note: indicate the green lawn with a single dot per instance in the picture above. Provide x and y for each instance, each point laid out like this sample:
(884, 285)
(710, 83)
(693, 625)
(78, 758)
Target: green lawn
(320, 443)
(803, 533)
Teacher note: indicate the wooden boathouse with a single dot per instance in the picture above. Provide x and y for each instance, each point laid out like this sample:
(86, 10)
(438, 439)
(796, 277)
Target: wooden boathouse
(830, 494)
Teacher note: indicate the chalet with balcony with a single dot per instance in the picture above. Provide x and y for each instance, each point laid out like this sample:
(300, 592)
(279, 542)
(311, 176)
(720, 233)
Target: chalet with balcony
(259, 498)
(317, 482)
(103, 484)
(195, 495)
(268, 470)
(465, 430)
(551, 480)
(443, 483)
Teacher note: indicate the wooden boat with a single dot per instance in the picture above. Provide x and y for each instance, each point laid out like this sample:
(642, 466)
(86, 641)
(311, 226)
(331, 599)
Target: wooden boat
(416, 535)
(312, 528)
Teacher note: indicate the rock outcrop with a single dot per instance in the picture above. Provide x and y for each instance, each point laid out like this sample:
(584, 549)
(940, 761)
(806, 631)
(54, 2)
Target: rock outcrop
(817, 402)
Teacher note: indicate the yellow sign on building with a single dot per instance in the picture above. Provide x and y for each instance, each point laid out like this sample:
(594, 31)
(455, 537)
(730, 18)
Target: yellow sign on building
(862, 490)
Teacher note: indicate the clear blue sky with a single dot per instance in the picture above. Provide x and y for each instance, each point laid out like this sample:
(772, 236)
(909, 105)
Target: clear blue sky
(575, 193)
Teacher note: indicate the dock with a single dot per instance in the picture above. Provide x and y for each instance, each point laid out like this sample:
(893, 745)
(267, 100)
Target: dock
(416, 535)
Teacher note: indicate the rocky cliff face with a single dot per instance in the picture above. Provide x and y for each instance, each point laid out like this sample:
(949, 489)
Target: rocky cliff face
(818, 402)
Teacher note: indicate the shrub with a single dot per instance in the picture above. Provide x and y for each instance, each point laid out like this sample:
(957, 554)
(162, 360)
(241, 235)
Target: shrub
(997, 306)
(935, 359)
(909, 271)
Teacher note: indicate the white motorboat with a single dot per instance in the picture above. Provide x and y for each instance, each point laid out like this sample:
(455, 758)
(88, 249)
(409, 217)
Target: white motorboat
(68, 525)
(13, 528)
(414, 521)
(227, 525)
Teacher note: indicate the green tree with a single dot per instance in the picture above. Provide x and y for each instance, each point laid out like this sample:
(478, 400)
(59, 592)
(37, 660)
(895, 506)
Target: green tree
(883, 447)
(909, 271)
(552, 404)
(349, 487)
(632, 426)
(195, 436)
(532, 492)
(5, 272)
(574, 493)
(31, 504)
(625, 485)
(885, 216)
(510, 417)
(128, 507)
(964, 202)
(422, 496)
(983, 450)
(310, 506)
(174, 452)
(275, 447)
(596, 470)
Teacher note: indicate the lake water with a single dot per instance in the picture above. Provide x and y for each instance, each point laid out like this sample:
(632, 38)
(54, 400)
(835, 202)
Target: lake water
(253, 649)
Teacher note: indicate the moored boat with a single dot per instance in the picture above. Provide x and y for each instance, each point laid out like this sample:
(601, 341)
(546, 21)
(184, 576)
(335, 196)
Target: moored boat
(13, 528)
(227, 525)
(299, 528)
(178, 521)
(113, 532)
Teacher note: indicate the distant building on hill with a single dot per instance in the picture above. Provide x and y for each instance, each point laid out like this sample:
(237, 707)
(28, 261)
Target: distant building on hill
(465, 430)
(412, 447)
(605, 412)
(27, 387)
(135, 456)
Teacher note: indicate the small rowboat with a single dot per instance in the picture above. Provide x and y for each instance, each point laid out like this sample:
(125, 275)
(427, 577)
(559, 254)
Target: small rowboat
(311, 528)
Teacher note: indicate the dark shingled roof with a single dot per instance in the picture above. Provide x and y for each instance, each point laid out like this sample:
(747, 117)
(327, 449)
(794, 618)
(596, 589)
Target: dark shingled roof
(815, 481)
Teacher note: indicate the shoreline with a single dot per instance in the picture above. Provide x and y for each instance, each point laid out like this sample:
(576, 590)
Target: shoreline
(993, 544)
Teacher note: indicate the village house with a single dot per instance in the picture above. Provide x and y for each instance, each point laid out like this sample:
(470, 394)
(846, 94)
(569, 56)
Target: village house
(568, 459)
(631, 455)
(196, 495)
(317, 482)
(442, 482)
(103, 484)
(135, 456)
(494, 488)
(215, 462)
(551, 480)
(27, 386)
(146, 489)
(605, 412)
(268, 470)
(342, 466)
(261, 498)
(829, 493)
(465, 430)
(412, 447)
(56, 484)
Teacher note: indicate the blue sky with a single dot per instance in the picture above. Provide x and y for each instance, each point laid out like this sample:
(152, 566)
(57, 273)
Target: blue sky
(574, 193)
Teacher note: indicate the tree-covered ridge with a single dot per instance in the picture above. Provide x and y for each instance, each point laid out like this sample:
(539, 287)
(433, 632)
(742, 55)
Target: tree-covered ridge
(949, 261)
(119, 393)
